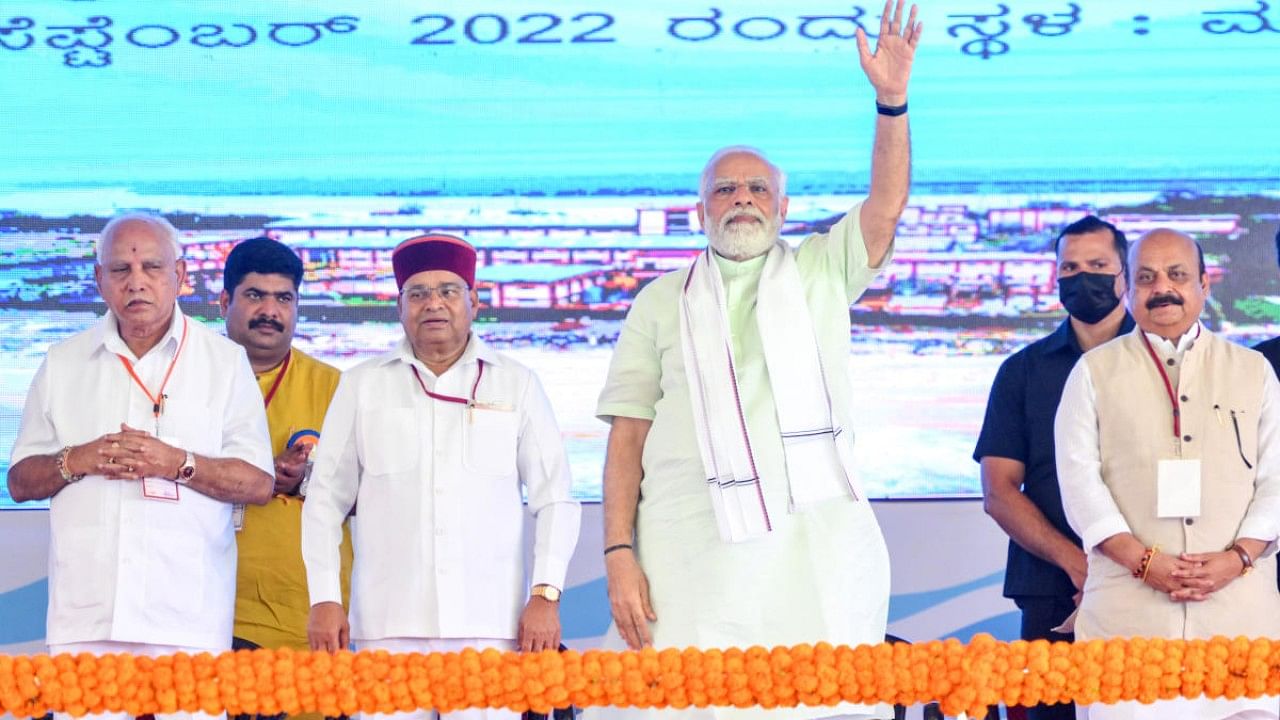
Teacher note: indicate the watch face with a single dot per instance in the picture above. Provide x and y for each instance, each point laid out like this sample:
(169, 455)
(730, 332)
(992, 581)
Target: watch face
(549, 593)
(188, 469)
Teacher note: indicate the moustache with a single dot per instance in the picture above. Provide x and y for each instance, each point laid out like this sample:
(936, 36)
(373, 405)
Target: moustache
(742, 212)
(259, 322)
(1156, 301)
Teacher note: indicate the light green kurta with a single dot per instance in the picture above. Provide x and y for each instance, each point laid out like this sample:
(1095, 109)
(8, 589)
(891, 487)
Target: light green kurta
(822, 574)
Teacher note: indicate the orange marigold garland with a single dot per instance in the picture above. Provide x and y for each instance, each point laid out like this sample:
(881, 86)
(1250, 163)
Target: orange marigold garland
(959, 677)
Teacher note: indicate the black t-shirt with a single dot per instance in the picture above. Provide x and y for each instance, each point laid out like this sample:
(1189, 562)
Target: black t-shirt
(1019, 426)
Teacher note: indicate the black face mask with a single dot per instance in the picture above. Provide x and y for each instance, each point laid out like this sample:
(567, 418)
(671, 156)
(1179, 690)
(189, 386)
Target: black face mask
(1089, 297)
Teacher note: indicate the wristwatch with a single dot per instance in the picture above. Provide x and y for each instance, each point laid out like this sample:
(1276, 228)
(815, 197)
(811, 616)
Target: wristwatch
(1246, 561)
(187, 470)
(550, 593)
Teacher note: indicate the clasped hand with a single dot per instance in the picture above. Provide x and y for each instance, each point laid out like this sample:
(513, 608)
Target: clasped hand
(130, 454)
(1192, 577)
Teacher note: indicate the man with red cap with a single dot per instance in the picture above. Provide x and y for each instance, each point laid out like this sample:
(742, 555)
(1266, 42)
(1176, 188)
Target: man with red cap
(434, 441)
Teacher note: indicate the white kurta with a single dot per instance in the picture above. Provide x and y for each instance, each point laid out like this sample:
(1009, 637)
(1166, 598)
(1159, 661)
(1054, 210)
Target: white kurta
(820, 575)
(122, 567)
(439, 532)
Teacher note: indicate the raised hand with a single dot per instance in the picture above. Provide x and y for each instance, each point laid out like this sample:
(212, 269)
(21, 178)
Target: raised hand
(889, 67)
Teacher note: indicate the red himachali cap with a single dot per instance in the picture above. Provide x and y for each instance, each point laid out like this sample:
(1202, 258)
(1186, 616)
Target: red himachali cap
(434, 252)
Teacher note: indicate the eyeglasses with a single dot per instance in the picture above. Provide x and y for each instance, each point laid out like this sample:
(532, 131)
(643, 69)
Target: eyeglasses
(449, 292)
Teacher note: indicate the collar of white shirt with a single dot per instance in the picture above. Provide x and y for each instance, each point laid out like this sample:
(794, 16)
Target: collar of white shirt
(477, 349)
(1184, 344)
(113, 343)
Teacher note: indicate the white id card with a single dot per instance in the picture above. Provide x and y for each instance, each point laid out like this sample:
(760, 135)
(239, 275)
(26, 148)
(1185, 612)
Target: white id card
(159, 489)
(1178, 489)
(154, 488)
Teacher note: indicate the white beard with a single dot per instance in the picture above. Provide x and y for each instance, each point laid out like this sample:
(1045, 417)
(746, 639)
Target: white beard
(743, 241)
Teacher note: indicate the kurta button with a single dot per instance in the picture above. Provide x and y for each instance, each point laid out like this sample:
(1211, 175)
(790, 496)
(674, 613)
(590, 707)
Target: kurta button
(1185, 398)
(1170, 362)
(1191, 521)
(1186, 438)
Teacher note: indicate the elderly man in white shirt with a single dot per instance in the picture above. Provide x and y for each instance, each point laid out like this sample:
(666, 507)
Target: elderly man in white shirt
(1168, 452)
(142, 431)
(434, 441)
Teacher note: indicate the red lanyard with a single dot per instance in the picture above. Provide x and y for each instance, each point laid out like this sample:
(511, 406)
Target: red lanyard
(284, 368)
(469, 402)
(157, 400)
(1168, 386)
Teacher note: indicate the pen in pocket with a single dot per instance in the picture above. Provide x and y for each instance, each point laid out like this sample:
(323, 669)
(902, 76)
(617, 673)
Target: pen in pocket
(1235, 423)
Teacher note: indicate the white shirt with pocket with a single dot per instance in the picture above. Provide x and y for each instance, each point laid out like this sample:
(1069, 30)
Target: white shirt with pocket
(124, 567)
(436, 485)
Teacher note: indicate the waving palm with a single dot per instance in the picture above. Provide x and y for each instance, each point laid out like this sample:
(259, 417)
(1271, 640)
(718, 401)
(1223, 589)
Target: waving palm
(889, 67)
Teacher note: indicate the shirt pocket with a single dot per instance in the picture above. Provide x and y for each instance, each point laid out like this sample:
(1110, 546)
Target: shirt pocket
(187, 427)
(490, 438)
(388, 442)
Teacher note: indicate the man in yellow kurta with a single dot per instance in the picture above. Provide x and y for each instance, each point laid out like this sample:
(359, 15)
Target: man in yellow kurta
(260, 303)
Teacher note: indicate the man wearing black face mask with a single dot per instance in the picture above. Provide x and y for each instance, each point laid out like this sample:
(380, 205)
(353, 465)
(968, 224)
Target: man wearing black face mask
(1046, 566)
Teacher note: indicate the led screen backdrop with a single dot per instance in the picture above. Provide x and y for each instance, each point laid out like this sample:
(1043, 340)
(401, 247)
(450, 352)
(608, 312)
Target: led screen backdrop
(565, 140)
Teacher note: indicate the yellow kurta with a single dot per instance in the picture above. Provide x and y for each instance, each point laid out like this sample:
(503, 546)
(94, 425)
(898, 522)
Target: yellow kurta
(271, 583)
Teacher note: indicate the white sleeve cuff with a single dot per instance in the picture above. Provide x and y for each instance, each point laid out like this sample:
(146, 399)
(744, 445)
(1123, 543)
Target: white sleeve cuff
(324, 588)
(1102, 529)
(1258, 529)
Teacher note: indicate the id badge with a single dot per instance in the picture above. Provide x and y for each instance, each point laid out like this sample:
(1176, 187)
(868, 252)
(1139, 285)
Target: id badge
(155, 488)
(159, 489)
(475, 405)
(495, 406)
(1178, 489)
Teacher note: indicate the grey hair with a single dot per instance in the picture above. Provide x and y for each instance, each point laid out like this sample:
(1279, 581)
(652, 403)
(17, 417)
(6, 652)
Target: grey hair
(708, 170)
(155, 222)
